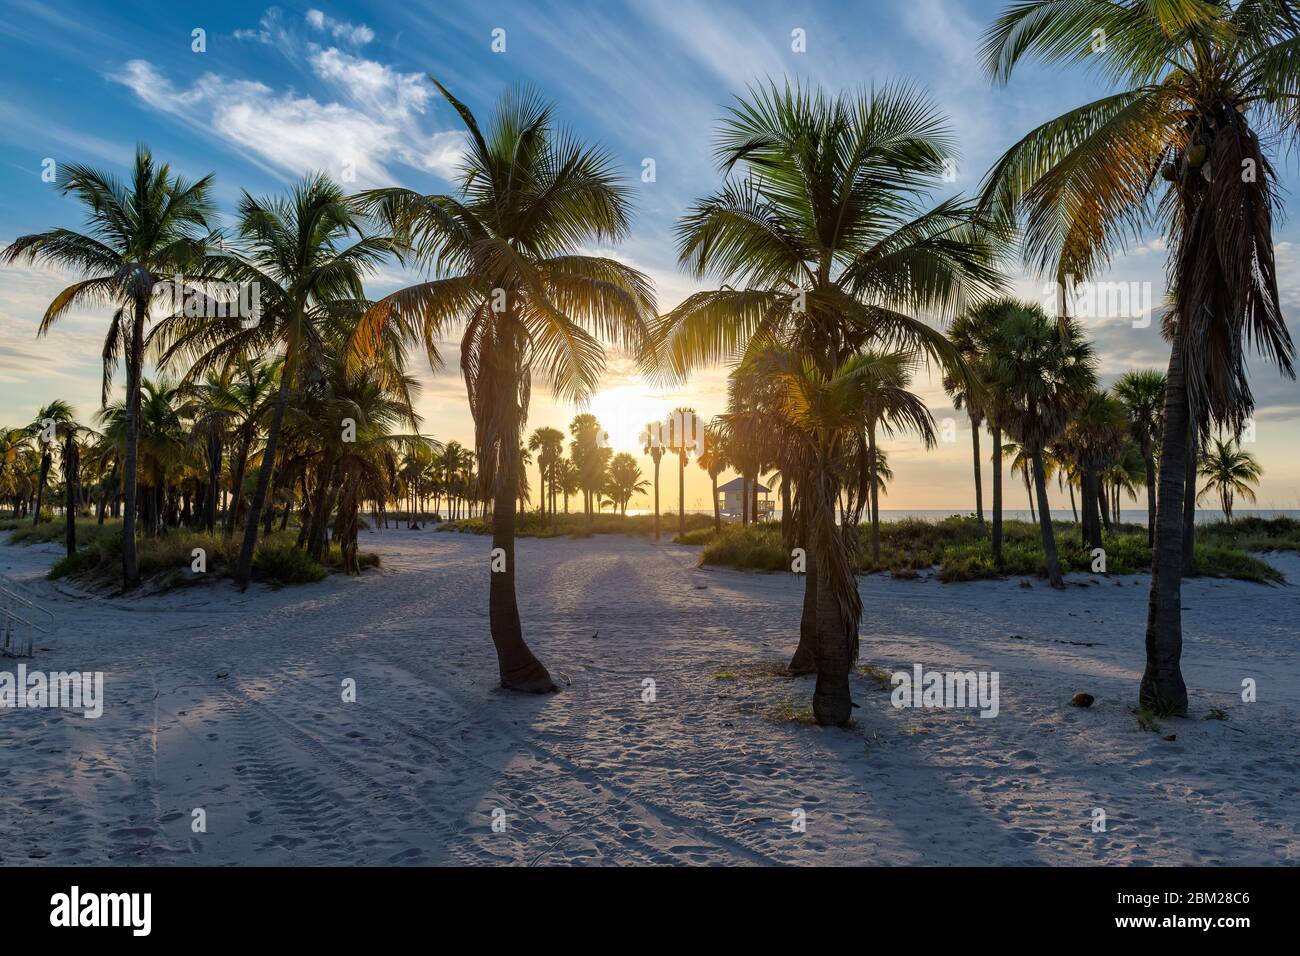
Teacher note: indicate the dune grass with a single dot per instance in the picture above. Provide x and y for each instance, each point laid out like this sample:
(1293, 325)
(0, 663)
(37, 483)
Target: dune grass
(960, 550)
(534, 525)
(168, 558)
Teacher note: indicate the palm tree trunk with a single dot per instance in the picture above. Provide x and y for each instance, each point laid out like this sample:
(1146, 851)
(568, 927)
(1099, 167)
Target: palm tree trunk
(244, 570)
(237, 480)
(875, 494)
(134, 364)
(1149, 460)
(838, 607)
(1189, 510)
(46, 461)
(70, 492)
(787, 519)
(681, 492)
(1074, 509)
(519, 669)
(1029, 493)
(717, 512)
(214, 481)
(1163, 689)
(979, 478)
(1103, 500)
(805, 655)
(997, 495)
(1045, 523)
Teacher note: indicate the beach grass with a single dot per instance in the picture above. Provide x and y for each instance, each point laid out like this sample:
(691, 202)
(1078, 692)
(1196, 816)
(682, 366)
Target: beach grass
(534, 525)
(960, 549)
(168, 558)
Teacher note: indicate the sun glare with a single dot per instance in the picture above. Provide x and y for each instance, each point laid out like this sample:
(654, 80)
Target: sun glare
(625, 410)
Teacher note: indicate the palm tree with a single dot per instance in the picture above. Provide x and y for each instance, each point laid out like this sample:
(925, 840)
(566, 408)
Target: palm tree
(52, 424)
(1143, 395)
(15, 445)
(713, 459)
(1178, 144)
(1230, 473)
(889, 407)
(1039, 372)
(823, 246)
(506, 263)
(1094, 441)
(684, 437)
(1021, 465)
(652, 444)
(140, 234)
(568, 476)
(625, 480)
(549, 444)
(965, 333)
(589, 453)
(307, 255)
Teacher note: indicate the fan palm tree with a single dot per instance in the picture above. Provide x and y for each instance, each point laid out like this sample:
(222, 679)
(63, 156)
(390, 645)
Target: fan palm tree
(1143, 395)
(506, 262)
(823, 245)
(713, 459)
(306, 254)
(1094, 441)
(625, 480)
(1177, 144)
(1039, 372)
(141, 234)
(652, 443)
(685, 435)
(889, 407)
(549, 444)
(964, 333)
(827, 412)
(590, 453)
(1230, 473)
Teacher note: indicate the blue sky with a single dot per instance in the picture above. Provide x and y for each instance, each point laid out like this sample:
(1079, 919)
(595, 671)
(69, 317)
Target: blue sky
(280, 90)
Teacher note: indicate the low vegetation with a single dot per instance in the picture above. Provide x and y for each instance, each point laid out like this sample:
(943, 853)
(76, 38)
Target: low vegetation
(958, 549)
(535, 525)
(167, 560)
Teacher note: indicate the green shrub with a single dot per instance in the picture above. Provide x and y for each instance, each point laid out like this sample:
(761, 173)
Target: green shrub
(757, 546)
(285, 564)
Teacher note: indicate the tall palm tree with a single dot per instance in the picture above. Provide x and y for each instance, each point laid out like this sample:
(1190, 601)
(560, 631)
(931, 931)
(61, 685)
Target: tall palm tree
(1230, 473)
(15, 445)
(52, 425)
(140, 234)
(1094, 441)
(652, 443)
(625, 480)
(1177, 144)
(685, 434)
(1143, 395)
(713, 459)
(1039, 373)
(589, 453)
(505, 257)
(965, 336)
(549, 444)
(307, 255)
(825, 243)
(889, 407)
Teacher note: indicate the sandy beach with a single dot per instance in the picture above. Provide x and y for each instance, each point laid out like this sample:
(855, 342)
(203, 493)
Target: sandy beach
(233, 704)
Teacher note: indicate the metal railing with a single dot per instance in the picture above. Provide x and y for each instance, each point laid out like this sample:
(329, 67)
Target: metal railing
(9, 597)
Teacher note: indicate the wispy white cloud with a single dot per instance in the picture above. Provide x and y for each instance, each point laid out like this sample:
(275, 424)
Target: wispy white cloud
(340, 29)
(373, 119)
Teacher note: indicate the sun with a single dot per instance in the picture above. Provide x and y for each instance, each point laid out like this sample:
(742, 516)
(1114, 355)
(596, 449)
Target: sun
(625, 410)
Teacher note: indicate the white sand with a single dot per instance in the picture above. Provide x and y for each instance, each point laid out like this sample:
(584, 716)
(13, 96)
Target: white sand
(289, 774)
